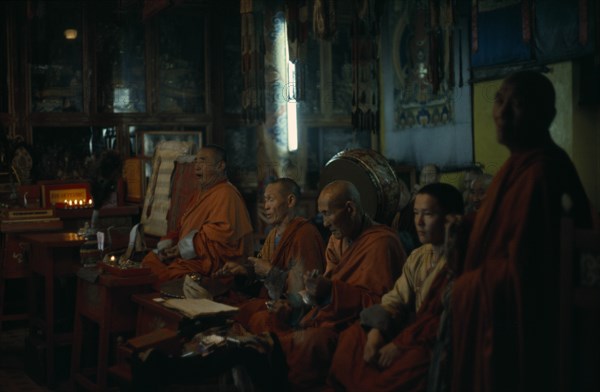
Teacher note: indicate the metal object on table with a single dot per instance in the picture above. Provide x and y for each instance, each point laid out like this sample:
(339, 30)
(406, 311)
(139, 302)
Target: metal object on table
(174, 288)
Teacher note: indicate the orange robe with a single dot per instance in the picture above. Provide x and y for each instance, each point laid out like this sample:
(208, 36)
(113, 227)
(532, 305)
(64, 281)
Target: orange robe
(408, 372)
(505, 304)
(360, 276)
(300, 249)
(217, 228)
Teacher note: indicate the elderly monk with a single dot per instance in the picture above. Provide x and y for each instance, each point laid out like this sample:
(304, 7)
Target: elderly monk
(214, 229)
(292, 247)
(505, 322)
(384, 350)
(363, 261)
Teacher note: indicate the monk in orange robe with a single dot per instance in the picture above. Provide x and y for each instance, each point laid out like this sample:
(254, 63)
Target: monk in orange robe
(292, 247)
(505, 322)
(215, 227)
(363, 261)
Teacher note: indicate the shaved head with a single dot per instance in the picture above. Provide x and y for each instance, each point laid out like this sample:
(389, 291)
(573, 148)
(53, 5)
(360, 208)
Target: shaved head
(287, 186)
(343, 215)
(220, 153)
(341, 191)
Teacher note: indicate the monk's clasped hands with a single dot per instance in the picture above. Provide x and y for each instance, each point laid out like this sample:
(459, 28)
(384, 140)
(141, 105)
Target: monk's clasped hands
(261, 267)
(168, 254)
(231, 268)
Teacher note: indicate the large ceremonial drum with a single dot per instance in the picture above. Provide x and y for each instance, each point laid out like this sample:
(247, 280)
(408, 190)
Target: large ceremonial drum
(372, 174)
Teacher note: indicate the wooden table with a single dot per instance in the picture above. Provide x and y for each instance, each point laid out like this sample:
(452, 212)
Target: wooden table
(108, 304)
(158, 327)
(53, 255)
(154, 321)
(13, 261)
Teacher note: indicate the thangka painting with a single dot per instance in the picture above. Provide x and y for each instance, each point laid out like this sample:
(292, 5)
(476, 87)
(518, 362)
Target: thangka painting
(500, 32)
(422, 57)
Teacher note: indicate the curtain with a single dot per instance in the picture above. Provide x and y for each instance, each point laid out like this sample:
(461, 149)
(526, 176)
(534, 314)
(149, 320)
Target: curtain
(273, 34)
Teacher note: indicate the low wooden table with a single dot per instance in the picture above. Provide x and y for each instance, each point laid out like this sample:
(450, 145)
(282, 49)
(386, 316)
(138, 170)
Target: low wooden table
(13, 261)
(53, 255)
(154, 321)
(107, 303)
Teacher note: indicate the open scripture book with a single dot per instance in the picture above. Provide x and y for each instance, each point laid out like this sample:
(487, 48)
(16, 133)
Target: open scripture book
(194, 308)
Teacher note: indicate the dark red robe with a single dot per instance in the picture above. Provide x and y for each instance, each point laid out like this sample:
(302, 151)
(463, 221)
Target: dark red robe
(409, 371)
(300, 243)
(505, 305)
(362, 274)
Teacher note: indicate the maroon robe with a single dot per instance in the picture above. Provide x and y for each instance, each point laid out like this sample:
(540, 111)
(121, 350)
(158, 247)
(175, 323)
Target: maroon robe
(505, 304)
(365, 271)
(408, 372)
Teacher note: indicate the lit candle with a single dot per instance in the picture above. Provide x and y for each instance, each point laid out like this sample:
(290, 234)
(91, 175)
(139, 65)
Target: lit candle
(112, 259)
(90, 201)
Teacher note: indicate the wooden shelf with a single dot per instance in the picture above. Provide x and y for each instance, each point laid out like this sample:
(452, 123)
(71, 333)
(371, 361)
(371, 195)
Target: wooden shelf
(126, 210)
(30, 226)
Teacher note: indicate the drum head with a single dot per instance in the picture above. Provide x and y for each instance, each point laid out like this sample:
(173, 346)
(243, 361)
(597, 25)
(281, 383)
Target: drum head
(345, 169)
(372, 175)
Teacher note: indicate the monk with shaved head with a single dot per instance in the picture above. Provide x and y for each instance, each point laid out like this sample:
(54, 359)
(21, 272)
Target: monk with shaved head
(292, 247)
(214, 229)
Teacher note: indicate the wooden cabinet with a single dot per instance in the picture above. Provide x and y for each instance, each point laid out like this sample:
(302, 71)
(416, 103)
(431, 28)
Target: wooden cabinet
(181, 62)
(128, 72)
(53, 262)
(3, 63)
(96, 70)
(119, 57)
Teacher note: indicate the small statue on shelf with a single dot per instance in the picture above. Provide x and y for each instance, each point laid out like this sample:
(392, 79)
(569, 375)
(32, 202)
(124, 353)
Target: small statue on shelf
(430, 174)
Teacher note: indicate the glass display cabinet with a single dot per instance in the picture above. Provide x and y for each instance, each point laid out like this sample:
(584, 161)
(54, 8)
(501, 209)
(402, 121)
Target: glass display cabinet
(181, 62)
(232, 65)
(57, 57)
(56, 159)
(120, 62)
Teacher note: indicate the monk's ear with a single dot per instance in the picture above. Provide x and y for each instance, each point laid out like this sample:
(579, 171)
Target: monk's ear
(291, 200)
(350, 207)
(221, 165)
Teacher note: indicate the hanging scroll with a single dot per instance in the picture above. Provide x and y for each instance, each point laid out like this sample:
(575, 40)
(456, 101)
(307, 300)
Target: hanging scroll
(365, 67)
(253, 68)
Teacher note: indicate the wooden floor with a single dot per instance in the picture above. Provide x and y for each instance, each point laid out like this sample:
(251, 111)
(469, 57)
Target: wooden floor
(12, 365)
